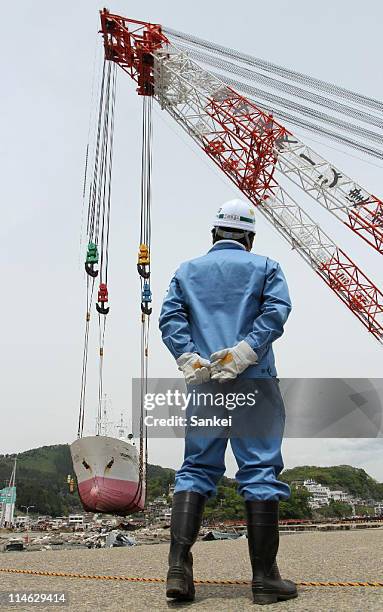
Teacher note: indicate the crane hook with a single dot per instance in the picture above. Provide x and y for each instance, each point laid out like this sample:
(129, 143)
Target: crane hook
(90, 270)
(102, 298)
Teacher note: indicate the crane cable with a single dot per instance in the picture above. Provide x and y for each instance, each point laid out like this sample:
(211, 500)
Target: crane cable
(259, 95)
(298, 121)
(248, 75)
(104, 221)
(284, 86)
(285, 103)
(286, 73)
(98, 225)
(144, 268)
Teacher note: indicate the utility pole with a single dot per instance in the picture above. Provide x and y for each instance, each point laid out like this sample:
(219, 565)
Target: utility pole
(27, 509)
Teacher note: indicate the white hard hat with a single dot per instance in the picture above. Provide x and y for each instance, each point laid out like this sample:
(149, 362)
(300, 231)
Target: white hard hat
(236, 214)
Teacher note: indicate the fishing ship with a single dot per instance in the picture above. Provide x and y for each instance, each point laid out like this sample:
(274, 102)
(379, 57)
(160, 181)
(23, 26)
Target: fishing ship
(108, 470)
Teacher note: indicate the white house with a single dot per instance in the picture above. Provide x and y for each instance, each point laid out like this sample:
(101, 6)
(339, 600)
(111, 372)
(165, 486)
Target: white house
(320, 495)
(76, 520)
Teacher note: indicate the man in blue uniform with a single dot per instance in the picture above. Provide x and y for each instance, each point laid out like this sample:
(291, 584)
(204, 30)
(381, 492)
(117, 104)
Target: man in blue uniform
(219, 319)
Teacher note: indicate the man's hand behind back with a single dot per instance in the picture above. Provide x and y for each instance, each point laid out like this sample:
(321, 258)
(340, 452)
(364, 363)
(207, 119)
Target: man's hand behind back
(195, 369)
(228, 363)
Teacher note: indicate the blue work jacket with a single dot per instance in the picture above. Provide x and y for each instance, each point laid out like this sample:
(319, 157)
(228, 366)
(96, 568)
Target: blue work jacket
(223, 297)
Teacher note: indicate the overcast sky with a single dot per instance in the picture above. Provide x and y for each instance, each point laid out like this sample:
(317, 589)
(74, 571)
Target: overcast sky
(48, 51)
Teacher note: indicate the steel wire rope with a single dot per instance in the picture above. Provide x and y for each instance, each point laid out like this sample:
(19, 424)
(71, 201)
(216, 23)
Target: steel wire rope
(87, 149)
(288, 88)
(93, 189)
(90, 228)
(287, 73)
(85, 360)
(145, 238)
(303, 110)
(103, 184)
(113, 104)
(318, 129)
(99, 208)
(360, 146)
(101, 328)
(105, 205)
(324, 143)
(312, 127)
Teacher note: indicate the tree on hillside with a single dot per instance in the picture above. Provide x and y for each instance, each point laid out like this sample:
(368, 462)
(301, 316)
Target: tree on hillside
(335, 509)
(297, 506)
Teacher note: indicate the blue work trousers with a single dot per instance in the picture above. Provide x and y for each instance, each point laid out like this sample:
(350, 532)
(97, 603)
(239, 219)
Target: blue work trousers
(255, 433)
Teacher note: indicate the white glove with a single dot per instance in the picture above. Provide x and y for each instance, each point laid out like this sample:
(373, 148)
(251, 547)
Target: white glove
(228, 363)
(195, 369)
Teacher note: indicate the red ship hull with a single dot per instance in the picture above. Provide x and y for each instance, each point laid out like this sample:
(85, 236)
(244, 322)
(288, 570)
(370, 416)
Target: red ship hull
(112, 495)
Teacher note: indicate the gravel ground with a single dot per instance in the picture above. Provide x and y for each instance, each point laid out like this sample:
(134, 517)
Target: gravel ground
(342, 556)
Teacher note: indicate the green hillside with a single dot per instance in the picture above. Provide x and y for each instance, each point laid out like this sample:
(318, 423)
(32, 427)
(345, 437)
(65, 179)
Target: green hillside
(353, 480)
(42, 481)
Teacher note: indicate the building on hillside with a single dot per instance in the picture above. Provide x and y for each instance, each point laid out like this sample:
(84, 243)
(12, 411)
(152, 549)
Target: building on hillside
(320, 495)
(158, 509)
(339, 496)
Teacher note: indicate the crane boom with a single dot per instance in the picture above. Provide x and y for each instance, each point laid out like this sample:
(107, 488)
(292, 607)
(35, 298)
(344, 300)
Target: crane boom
(333, 189)
(249, 145)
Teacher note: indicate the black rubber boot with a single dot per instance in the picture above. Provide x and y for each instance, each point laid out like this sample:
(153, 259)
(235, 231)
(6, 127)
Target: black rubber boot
(187, 510)
(263, 538)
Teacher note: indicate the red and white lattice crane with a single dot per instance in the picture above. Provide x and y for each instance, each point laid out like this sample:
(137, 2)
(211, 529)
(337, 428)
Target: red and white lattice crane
(251, 147)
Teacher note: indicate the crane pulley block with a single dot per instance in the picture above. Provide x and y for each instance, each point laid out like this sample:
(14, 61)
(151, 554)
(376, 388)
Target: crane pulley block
(143, 254)
(91, 259)
(146, 293)
(102, 293)
(102, 299)
(131, 44)
(143, 265)
(92, 253)
(146, 299)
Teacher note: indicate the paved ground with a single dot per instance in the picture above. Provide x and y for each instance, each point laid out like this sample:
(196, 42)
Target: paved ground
(353, 555)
